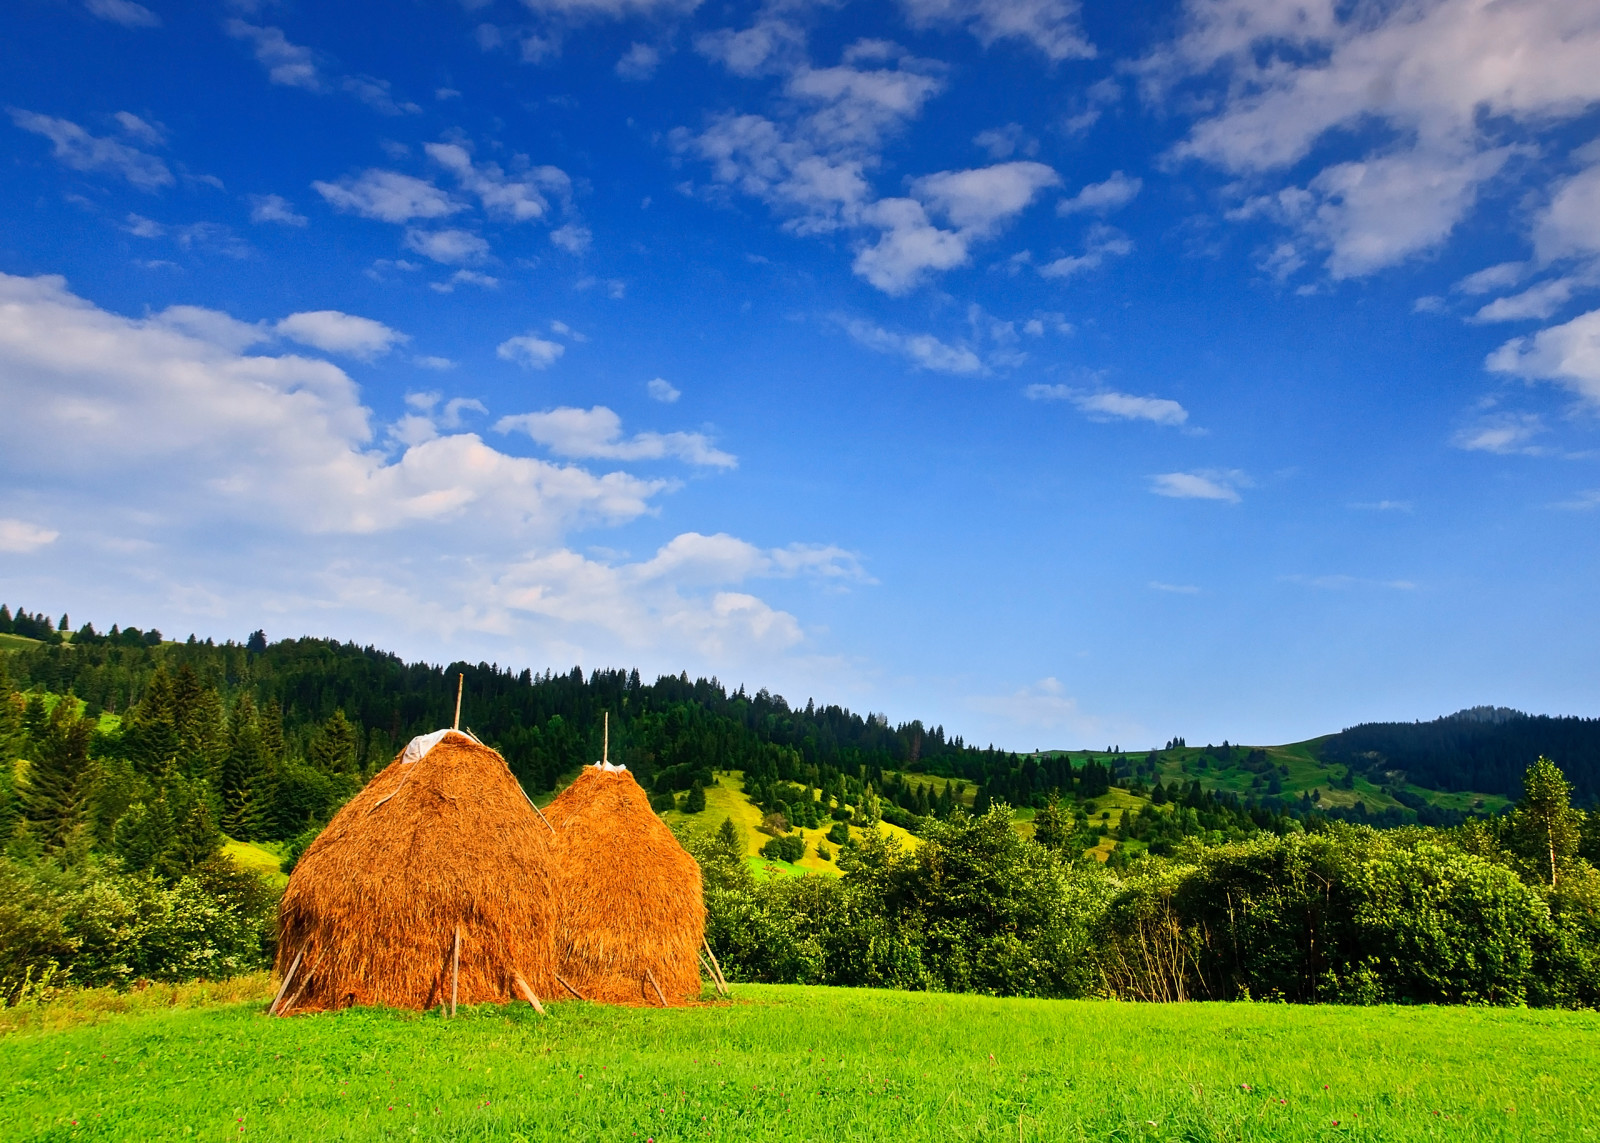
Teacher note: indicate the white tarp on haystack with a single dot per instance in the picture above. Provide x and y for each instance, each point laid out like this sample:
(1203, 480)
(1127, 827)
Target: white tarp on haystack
(610, 767)
(423, 743)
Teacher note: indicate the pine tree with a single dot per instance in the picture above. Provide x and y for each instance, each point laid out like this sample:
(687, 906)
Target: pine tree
(151, 734)
(244, 773)
(1051, 828)
(696, 801)
(52, 793)
(144, 834)
(333, 748)
(196, 839)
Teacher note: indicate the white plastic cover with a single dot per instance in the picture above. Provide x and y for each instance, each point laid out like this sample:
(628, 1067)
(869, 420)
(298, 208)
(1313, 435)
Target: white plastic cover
(610, 767)
(423, 743)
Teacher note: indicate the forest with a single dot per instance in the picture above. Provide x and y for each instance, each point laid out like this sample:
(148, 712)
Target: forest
(129, 760)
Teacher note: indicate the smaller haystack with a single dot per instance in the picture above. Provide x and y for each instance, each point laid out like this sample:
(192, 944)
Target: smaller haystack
(628, 898)
(443, 841)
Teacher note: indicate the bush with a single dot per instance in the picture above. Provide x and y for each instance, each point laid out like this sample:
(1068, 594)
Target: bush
(791, 848)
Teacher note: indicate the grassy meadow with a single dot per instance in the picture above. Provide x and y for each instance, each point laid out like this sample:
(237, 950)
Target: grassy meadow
(795, 1063)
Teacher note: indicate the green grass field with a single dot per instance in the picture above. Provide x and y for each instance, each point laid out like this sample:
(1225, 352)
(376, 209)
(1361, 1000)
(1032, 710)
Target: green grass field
(793, 1063)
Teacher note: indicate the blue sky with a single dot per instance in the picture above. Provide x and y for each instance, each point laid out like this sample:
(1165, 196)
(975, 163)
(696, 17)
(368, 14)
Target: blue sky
(1068, 376)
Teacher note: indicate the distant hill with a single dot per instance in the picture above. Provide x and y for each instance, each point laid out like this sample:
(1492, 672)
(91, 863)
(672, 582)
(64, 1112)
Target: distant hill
(1484, 748)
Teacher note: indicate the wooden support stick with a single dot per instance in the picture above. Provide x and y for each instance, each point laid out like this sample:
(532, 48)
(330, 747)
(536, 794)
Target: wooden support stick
(461, 681)
(527, 993)
(288, 977)
(715, 965)
(563, 983)
(651, 977)
(711, 972)
(605, 741)
(455, 971)
(288, 1006)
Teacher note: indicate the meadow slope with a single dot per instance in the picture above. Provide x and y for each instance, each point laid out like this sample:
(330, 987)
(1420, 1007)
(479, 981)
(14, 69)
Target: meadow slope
(795, 1063)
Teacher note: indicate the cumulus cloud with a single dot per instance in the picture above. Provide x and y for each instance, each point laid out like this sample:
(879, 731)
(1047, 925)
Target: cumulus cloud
(596, 434)
(921, 349)
(811, 165)
(1208, 484)
(530, 351)
(274, 208)
(171, 414)
(1568, 354)
(1052, 26)
(1284, 77)
(288, 64)
(388, 196)
(520, 195)
(451, 246)
(1114, 193)
(75, 148)
(660, 389)
(1503, 433)
(20, 536)
(1107, 405)
(639, 62)
(337, 332)
(145, 436)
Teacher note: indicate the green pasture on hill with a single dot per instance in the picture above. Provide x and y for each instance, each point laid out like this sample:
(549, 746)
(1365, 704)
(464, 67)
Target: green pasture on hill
(793, 1063)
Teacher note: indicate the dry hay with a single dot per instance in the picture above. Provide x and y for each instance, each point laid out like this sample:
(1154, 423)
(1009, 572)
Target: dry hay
(374, 904)
(628, 896)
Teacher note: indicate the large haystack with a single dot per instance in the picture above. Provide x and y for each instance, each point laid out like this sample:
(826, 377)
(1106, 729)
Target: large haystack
(444, 842)
(628, 896)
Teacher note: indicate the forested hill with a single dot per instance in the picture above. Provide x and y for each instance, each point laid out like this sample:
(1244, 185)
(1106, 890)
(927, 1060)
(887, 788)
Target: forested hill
(1484, 748)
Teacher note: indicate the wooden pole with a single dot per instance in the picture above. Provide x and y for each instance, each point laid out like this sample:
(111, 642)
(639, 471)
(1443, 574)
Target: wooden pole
(651, 977)
(563, 983)
(605, 741)
(461, 681)
(288, 978)
(455, 972)
(711, 972)
(714, 963)
(527, 993)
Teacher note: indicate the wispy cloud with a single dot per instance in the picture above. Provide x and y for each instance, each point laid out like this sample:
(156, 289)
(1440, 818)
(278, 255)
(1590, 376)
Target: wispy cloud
(1174, 588)
(75, 148)
(921, 349)
(1207, 484)
(1107, 405)
(585, 434)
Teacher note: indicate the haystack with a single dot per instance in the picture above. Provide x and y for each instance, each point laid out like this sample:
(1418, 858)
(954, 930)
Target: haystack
(628, 898)
(431, 887)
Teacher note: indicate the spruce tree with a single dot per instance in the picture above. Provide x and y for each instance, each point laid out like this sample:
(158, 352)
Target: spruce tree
(52, 793)
(144, 834)
(696, 801)
(244, 801)
(151, 728)
(333, 748)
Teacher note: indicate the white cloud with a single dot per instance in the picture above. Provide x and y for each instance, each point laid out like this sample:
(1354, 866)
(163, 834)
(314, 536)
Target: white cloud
(150, 134)
(430, 361)
(1003, 142)
(124, 12)
(1208, 484)
(1114, 193)
(768, 44)
(596, 433)
(1586, 501)
(923, 350)
(1174, 588)
(639, 62)
(520, 196)
(21, 537)
(572, 238)
(811, 167)
(274, 208)
(288, 64)
(1044, 705)
(1052, 26)
(1570, 225)
(1432, 75)
(450, 246)
(1504, 433)
(336, 332)
(155, 414)
(1492, 278)
(530, 351)
(1107, 405)
(75, 148)
(388, 196)
(1346, 582)
(466, 278)
(1568, 354)
(1538, 301)
(378, 94)
(660, 389)
(1100, 243)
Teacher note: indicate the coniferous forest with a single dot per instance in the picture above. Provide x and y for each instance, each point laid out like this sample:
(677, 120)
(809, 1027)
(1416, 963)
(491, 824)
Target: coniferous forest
(130, 760)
